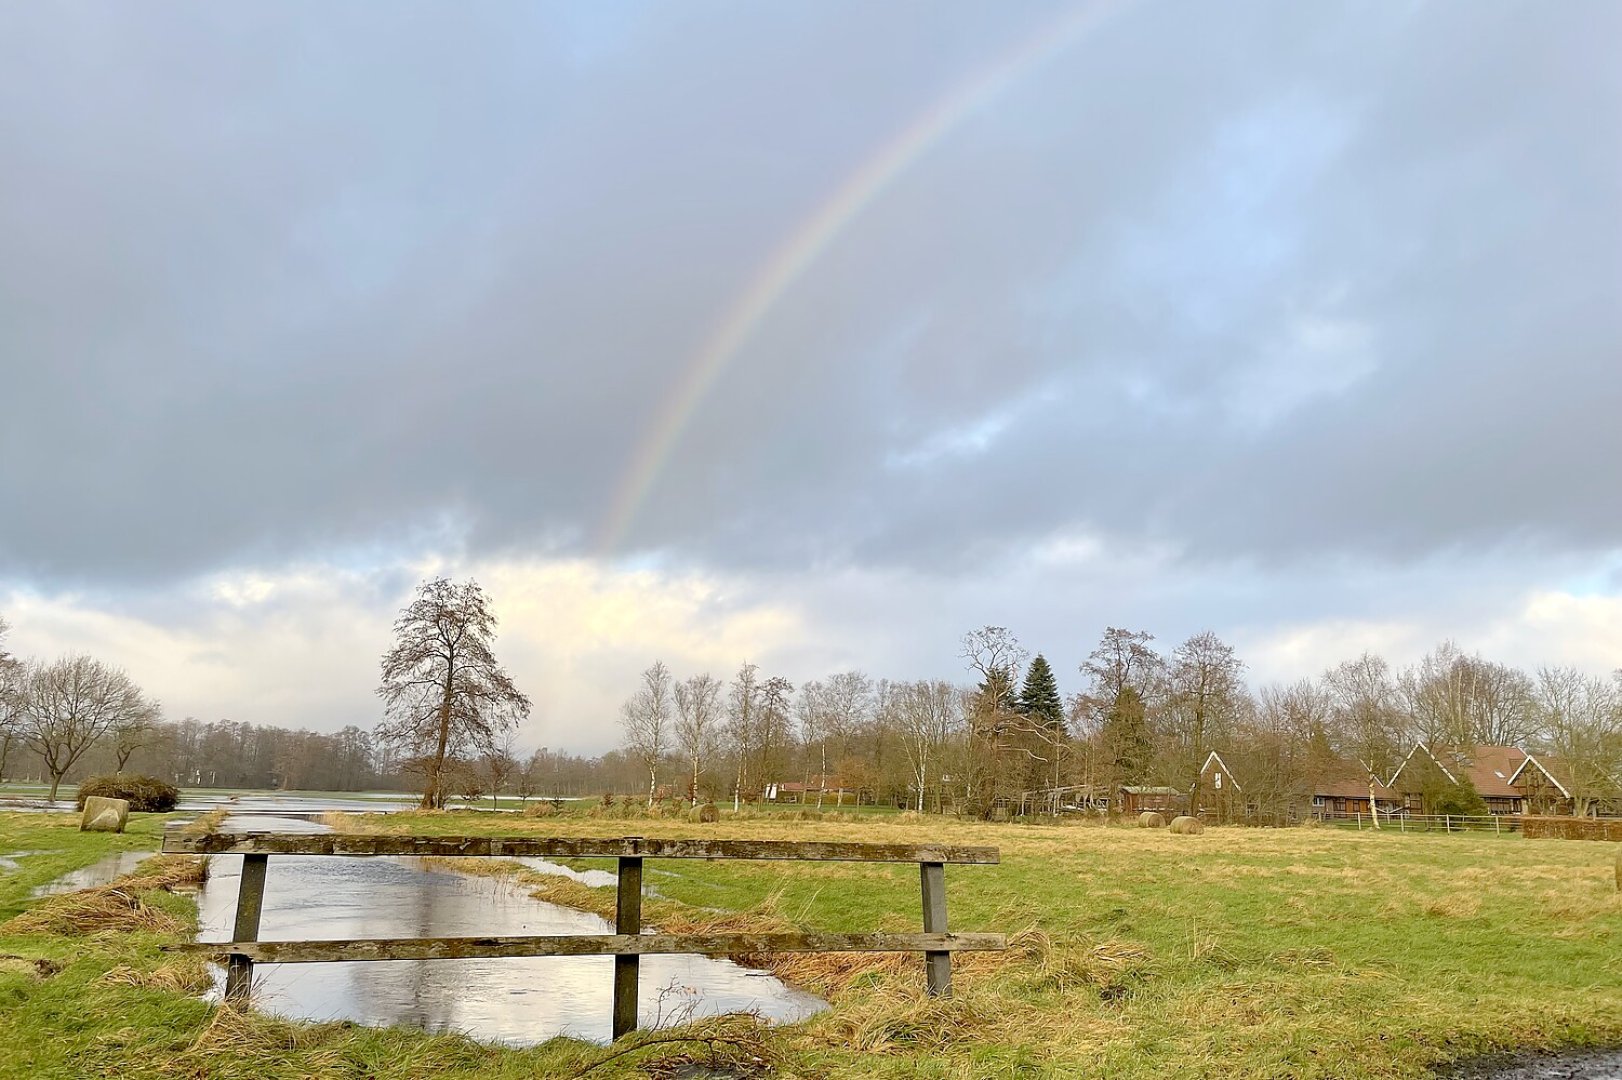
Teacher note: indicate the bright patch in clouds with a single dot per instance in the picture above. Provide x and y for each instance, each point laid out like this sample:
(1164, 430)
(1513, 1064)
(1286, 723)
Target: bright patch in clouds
(300, 648)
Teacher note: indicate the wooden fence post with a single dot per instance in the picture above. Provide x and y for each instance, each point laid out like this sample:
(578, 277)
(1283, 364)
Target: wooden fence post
(250, 900)
(627, 920)
(937, 965)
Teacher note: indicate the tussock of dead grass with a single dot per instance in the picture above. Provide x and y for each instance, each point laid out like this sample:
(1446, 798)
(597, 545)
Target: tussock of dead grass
(1454, 906)
(116, 907)
(1113, 968)
(203, 824)
(236, 1042)
(189, 976)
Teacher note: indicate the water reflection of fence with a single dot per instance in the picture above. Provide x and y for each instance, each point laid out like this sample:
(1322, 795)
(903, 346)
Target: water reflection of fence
(626, 944)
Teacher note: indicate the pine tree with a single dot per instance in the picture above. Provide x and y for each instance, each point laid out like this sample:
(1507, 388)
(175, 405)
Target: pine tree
(1040, 696)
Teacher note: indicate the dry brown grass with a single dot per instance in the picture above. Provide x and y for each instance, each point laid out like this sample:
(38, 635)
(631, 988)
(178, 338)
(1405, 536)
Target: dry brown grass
(187, 976)
(117, 907)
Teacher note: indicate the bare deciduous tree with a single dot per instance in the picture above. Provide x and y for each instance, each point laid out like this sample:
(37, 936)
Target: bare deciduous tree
(1368, 720)
(646, 719)
(444, 695)
(1207, 697)
(743, 710)
(1581, 718)
(698, 711)
(499, 764)
(65, 708)
(925, 714)
(10, 677)
(1458, 701)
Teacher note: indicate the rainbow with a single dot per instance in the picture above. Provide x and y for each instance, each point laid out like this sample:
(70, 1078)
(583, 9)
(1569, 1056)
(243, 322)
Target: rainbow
(805, 245)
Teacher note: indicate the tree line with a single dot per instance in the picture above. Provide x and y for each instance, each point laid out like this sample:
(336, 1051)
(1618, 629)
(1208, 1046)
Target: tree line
(1000, 736)
(1005, 737)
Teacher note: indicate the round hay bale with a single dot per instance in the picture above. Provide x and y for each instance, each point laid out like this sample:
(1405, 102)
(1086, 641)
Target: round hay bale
(1151, 820)
(1186, 826)
(706, 814)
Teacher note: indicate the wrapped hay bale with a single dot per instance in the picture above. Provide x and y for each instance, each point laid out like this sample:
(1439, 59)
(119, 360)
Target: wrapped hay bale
(104, 815)
(1151, 820)
(1186, 826)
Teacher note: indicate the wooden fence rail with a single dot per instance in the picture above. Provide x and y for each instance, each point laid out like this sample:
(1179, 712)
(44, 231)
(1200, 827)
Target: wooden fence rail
(627, 944)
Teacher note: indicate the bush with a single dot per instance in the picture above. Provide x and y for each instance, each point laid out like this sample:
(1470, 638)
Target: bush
(1460, 799)
(146, 794)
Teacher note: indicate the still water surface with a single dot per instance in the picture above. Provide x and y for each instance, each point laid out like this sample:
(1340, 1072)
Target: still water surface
(518, 1000)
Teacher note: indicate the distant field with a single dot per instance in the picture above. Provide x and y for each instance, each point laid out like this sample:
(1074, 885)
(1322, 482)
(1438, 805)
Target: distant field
(1239, 953)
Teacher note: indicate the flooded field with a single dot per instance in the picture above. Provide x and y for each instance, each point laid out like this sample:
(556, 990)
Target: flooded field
(98, 873)
(518, 1000)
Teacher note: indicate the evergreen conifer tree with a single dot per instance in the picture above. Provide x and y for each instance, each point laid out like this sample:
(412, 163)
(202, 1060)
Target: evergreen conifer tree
(1039, 697)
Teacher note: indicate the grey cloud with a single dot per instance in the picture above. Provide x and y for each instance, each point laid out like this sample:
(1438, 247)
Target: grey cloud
(273, 285)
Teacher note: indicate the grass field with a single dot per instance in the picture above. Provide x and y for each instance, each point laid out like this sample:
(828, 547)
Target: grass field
(1251, 953)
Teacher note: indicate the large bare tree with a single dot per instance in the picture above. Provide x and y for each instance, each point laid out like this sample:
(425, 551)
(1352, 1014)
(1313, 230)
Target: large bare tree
(1581, 718)
(698, 712)
(743, 718)
(444, 695)
(1207, 698)
(65, 708)
(926, 714)
(646, 720)
(1458, 701)
(1367, 718)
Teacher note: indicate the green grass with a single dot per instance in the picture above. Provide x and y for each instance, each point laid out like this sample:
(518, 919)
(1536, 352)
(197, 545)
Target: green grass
(1248, 953)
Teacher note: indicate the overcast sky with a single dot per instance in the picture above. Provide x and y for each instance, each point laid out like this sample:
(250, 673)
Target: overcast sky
(811, 334)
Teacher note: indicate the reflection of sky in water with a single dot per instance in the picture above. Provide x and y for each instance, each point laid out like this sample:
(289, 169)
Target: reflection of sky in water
(512, 1000)
(97, 873)
(596, 878)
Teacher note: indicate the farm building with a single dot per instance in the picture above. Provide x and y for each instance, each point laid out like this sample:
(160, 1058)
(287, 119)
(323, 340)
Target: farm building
(1346, 790)
(1137, 798)
(1217, 792)
(1543, 784)
(1508, 779)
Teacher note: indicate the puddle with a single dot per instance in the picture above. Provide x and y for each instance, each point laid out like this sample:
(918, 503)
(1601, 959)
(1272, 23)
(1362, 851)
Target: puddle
(101, 872)
(517, 1000)
(594, 878)
(9, 861)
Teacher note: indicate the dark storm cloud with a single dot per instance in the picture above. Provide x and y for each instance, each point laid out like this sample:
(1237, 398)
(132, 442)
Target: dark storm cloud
(1255, 282)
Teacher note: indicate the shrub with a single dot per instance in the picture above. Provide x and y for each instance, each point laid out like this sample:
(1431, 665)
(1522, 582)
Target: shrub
(146, 794)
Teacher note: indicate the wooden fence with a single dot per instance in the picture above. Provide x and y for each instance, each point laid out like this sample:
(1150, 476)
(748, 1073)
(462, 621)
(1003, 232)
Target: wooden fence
(626, 944)
(1498, 824)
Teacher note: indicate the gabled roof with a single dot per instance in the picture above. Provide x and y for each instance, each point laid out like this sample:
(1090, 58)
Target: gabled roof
(1352, 787)
(1348, 778)
(1216, 757)
(1547, 766)
(1488, 769)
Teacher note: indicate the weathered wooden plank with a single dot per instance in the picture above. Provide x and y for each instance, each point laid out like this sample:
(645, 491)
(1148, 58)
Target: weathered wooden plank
(250, 901)
(302, 952)
(627, 922)
(937, 962)
(225, 843)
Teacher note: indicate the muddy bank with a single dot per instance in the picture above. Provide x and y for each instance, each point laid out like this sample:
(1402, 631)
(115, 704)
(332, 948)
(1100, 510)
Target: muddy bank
(1578, 1065)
